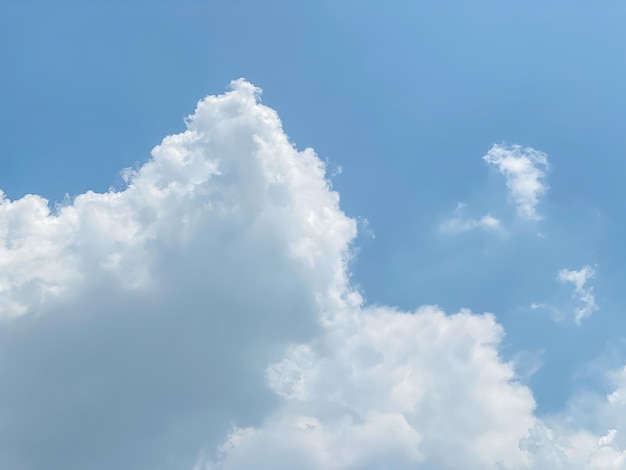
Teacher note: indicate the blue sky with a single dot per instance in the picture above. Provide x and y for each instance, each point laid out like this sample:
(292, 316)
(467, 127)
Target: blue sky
(402, 102)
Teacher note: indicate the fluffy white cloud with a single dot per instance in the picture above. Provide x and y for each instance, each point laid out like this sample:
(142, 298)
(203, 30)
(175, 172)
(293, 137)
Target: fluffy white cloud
(524, 170)
(582, 293)
(393, 389)
(434, 431)
(136, 325)
(212, 294)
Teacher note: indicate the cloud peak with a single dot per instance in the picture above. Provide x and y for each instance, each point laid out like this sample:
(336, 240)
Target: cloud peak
(212, 294)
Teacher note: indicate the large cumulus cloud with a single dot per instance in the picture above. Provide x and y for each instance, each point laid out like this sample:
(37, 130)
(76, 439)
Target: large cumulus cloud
(136, 325)
(203, 316)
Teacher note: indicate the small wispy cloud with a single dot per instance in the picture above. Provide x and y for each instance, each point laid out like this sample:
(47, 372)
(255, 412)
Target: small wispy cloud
(582, 292)
(528, 362)
(555, 313)
(458, 223)
(524, 169)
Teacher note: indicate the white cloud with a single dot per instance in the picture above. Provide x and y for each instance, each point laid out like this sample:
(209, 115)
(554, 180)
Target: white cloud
(524, 170)
(459, 224)
(567, 439)
(395, 389)
(581, 292)
(212, 294)
(136, 325)
(421, 390)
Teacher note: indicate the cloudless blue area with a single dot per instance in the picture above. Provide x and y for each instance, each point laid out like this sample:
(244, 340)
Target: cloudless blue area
(405, 97)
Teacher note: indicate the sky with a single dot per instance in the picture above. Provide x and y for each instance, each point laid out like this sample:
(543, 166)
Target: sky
(326, 235)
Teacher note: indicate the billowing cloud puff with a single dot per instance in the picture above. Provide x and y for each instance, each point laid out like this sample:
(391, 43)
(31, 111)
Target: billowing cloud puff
(393, 390)
(136, 325)
(449, 432)
(206, 309)
(524, 170)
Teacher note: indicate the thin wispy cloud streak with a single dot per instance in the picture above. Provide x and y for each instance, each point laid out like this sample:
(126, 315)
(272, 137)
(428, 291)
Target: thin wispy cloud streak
(582, 292)
(458, 223)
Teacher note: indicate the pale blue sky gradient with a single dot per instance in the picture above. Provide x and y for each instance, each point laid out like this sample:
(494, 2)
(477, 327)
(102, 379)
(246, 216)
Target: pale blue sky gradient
(406, 98)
